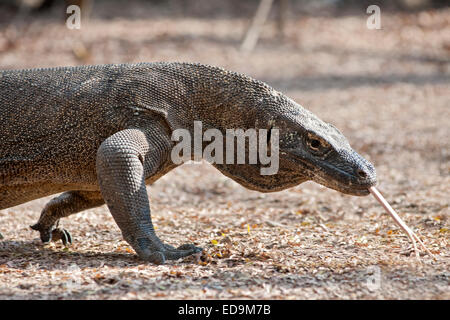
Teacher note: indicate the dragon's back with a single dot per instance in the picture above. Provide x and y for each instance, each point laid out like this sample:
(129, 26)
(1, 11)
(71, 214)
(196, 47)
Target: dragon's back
(41, 108)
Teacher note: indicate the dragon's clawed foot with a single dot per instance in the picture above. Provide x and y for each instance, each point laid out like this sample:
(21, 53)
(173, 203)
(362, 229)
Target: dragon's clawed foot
(53, 234)
(186, 246)
(167, 252)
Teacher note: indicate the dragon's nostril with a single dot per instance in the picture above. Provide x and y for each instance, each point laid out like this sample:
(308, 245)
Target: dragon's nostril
(361, 173)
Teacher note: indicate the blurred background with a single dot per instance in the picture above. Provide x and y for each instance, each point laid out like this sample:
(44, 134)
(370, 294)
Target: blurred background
(386, 89)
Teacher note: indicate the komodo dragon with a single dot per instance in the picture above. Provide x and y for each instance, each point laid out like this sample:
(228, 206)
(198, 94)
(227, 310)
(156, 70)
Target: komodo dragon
(99, 134)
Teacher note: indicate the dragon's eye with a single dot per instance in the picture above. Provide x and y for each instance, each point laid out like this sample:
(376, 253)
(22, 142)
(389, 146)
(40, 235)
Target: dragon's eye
(314, 144)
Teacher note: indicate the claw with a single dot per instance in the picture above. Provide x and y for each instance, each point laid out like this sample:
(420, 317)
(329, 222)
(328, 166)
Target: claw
(63, 235)
(183, 247)
(186, 250)
(167, 252)
(69, 236)
(189, 246)
(64, 238)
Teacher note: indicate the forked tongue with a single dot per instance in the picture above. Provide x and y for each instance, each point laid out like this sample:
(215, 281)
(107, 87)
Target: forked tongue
(411, 235)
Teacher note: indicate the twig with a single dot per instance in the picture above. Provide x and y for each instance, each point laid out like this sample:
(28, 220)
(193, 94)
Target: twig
(324, 227)
(252, 35)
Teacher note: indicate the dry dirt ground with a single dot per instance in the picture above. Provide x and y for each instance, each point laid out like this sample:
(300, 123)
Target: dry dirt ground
(387, 90)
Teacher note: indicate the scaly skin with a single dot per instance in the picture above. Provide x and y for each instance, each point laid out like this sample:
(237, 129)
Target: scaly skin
(101, 133)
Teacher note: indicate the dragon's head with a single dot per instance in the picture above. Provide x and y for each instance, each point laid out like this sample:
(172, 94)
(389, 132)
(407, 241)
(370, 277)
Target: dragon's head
(307, 149)
(321, 151)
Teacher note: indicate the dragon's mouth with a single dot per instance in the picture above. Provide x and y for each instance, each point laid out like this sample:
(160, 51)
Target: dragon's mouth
(354, 190)
(343, 181)
(338, 179)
